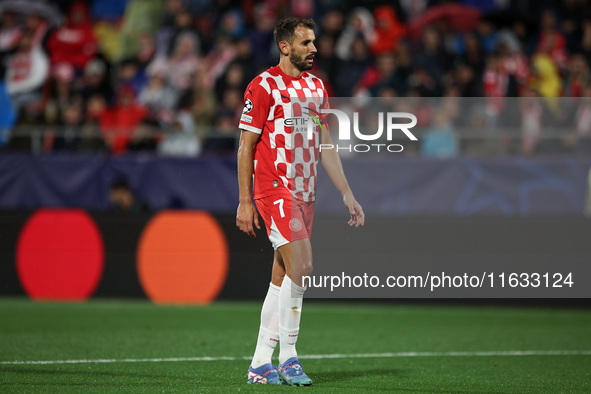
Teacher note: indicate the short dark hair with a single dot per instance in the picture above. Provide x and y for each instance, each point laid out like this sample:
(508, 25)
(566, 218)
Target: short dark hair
(285, 28)
(120, 184)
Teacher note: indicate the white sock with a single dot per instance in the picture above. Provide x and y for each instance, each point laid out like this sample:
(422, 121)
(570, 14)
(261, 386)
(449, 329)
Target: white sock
(269, 330)
(290, 311)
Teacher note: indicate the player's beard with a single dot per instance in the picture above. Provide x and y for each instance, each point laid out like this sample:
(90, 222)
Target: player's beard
(299, 62)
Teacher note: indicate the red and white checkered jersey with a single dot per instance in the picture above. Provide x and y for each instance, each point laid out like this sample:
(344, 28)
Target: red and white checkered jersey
(279, 107)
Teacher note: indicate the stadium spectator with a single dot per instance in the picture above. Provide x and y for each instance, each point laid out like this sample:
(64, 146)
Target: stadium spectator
(218, 60)
(388, 31)
(69, 133)
(180, 139)
(325, 61)
(202, 104)
(551, 41)
(7, 115)
(245, 59)
(546, 76)
(513, 62)
(532, 109)
(261, 35)
(432, 57)
(302, 8)
(233, 78)
(10, 32)
(26, 71)
(570, 15)
(184, 23)
(404, 61)
(576, 77)
(413, 8)
(232, 24)
(92, 138)
(146, 51)
(38, 26)
(119, 121)
(108, 39)
(73, 137)
(95, 106)
(440, 141)
(110, 10)
(232, 102)
(131, 76)
(487, 34)
(58, 91)
(225, 134)
(580, 140)
(360, 23)
(332, 24)
(466, 81)
(143, 138)
(74, 43)
(172, 8)
(95, 80)
(159, 98)
(495, 83)
(124, 200)
(383, 74)
(140, 17)
(586, 40)
(469, 52)
(179, 66)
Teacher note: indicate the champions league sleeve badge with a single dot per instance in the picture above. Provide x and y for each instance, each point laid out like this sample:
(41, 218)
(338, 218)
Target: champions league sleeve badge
(247, 106)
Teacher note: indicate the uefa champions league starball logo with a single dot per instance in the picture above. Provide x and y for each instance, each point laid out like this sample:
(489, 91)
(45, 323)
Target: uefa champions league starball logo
(247, 106)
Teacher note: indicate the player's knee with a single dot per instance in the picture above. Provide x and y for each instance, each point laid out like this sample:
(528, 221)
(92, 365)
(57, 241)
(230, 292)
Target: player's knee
(277, 278)
(307, 268)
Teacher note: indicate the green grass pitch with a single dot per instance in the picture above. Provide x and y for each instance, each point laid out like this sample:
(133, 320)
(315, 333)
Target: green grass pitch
(433, 349)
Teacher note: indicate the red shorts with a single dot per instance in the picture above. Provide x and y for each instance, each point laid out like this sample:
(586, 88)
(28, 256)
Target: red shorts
(286, 219)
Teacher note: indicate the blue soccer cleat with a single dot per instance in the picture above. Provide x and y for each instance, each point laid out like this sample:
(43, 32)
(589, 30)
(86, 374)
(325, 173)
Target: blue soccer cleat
(291, 373)
(265, 374)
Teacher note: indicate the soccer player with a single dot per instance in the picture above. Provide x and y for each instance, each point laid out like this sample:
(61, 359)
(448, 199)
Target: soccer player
(278, 147)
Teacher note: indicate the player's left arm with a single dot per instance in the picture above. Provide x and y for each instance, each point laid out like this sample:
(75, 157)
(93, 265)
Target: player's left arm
(331, 162)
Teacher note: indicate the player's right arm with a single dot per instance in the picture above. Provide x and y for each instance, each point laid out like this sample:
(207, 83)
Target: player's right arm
(252, 121)
(247, 213)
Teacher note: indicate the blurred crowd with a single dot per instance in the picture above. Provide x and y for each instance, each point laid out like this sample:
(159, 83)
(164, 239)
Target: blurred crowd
(169, 76)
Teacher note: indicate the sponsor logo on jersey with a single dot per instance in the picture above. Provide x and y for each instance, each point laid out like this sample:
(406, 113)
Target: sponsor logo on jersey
(298, 121)
(295, 225)
(247, 106)
(302, 124)
(246, 118)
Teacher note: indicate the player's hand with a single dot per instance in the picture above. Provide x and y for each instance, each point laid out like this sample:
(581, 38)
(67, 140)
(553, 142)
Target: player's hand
(246, 215)
(355, 210)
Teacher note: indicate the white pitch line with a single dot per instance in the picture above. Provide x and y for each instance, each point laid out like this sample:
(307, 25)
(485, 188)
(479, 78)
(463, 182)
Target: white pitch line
(316, 357)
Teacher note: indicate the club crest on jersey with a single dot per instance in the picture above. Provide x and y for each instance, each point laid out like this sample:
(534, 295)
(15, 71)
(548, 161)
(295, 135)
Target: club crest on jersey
(247, 106)
(295, 225)
(317, 99)
(275, 183)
